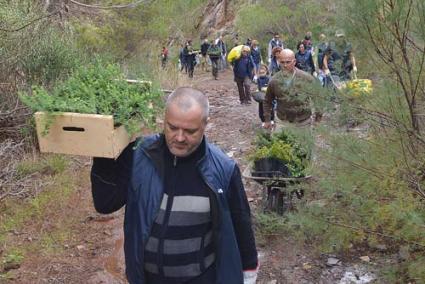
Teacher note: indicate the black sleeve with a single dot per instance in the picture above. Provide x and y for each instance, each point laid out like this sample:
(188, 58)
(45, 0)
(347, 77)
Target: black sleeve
(110, 179)
(241, 218)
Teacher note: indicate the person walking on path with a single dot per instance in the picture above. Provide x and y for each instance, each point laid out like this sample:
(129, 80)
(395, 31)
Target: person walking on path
(204, 60)
(223, 49)
(243, 71)
(214, 53)
(164, 57)
(274, 65)
(262, 83)
(182, 59)
(345, 51)
(291, 88)
(187, 217)
(273, 43)
(256, 56)
(304, 60)
(190, 58)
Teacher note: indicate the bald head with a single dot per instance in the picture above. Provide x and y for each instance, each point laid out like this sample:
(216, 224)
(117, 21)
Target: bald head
(286, 59)
(186, 99)
(286, 52)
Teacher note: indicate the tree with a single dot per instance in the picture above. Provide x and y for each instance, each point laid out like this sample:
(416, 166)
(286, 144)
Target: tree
(395, 32)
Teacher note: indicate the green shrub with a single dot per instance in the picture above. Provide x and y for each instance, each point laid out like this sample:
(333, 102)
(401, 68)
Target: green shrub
(100, 88)
(284, 146)
(269, 224)
(50, 57)
(52, 164)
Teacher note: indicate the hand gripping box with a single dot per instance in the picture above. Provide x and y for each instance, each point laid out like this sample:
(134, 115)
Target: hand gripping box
(80, 134)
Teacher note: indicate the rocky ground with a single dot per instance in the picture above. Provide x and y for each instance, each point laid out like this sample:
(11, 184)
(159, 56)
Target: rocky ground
(96, 254)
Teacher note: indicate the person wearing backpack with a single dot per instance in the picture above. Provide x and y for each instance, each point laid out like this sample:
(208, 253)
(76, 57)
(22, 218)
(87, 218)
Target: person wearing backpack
(214, 53)
(190, 58)
(223, 49)
(345, 50)
(243, 68)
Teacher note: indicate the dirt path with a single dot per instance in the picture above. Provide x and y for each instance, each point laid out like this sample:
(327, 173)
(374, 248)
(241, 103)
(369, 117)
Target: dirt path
(96, 254)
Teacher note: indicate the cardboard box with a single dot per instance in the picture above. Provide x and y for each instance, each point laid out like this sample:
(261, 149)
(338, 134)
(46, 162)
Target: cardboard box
(81, 134)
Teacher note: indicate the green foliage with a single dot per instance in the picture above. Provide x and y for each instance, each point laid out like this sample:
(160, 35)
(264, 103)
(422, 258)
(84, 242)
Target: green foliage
(100, 88)
(39, 50)
(126, 32)
(284, 146)
(51, 164)
(13, 258)
(50, 58)
(269, 224)
(261, 20)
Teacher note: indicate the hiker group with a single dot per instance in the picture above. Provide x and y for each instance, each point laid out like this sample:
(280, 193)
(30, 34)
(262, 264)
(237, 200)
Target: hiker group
(324, 63)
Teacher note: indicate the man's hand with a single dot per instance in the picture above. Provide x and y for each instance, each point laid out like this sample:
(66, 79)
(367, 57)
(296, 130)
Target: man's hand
(327, 72)
(315, 74)
(355, 69)
(250, 276)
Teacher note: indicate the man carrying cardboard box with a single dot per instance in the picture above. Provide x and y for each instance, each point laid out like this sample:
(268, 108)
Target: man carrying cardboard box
(187, 217)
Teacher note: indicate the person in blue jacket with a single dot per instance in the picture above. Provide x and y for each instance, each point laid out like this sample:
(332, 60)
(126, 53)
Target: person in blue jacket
(243, 71)
(187, 218)
(304, 60)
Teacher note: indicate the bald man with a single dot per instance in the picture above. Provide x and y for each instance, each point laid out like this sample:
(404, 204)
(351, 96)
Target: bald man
(291, 88)
(187, 218)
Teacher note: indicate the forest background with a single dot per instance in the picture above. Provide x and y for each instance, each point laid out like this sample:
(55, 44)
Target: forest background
(370, 190)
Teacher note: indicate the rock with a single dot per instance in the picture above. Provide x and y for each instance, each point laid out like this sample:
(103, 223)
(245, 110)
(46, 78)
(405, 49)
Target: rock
(404, 253)
(332, 261)
(365, 258)
(272, 282)
(10, 265)
(250, 199)
(381, 247)
(80, 247)
(230, 154)
(306, 266)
